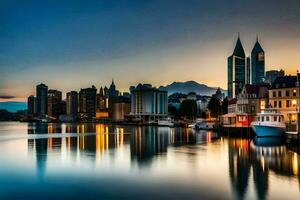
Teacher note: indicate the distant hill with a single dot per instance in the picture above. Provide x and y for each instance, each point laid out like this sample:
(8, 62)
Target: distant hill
(190, 86)
(13, 106)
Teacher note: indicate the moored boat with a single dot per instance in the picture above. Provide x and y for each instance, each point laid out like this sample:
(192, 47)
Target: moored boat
(269, 123)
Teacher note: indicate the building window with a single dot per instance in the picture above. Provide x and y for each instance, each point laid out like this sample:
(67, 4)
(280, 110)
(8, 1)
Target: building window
(274, 93)
(294, 93)
(267, 118)
(279, 93)
(262, 119)
(287, 93)
(275, 104)
(287, 103)
(262, 105)
(275, 118)
(294, 102)
(279, 104)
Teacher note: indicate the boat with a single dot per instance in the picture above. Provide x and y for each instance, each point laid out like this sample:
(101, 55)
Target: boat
(269, 123)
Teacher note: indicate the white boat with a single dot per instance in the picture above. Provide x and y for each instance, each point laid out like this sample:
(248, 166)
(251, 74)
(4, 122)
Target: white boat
(269, 123)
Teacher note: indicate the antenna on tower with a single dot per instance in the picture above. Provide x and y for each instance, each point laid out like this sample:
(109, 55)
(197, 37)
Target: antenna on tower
(256, 37)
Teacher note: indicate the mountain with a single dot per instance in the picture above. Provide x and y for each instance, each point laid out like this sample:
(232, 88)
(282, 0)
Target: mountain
(13, 106)
(190, 86)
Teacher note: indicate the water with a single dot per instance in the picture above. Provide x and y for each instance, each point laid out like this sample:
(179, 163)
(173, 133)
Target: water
(94, 161)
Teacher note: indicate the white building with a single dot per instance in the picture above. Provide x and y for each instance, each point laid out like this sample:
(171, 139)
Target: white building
(148, 103)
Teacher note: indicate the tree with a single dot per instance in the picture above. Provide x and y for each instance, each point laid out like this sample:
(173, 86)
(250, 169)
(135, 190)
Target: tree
(225, 106)
(173, 111)
(188, 109)
(214, 106)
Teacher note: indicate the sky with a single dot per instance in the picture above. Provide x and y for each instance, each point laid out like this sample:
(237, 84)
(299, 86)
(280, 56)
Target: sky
(73, 44)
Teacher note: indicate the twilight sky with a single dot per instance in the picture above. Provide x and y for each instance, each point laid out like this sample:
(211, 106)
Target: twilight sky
(71, 44)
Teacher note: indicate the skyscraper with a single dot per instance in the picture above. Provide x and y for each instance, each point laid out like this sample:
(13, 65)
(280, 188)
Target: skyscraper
(42, 99)
(72, 103)
(248, 70)
(88, 102)
(54, 101)
(112, 98)
(31, 105)
(257, 64)
(236, 70)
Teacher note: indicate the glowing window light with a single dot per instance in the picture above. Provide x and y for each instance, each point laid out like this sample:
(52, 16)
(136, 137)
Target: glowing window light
(294, 102)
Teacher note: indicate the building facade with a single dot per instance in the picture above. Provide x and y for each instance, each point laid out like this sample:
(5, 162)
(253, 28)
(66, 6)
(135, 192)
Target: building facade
(253, 99)
(257, 64)
(284, 96)
(42, 100)
(54, 103)
(236, 70)
(31, 106)
(121, 108)
(72, 103)
(148, 103)
(87, 102)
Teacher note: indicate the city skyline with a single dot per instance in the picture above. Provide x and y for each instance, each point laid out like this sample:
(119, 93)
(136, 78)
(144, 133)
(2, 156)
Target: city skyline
(69, 46)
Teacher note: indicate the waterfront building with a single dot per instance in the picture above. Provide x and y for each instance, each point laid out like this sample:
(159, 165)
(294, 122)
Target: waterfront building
(31, 106)
(121, 108)
(272, 75)
(72, 103)
(42, 100)
(54, 103)
(284, 95)
(112, 98)
(252, 99)
(87, 102)
(257, 64)
(148, 103)
(243, 109)
(236, 70)
(102, 101)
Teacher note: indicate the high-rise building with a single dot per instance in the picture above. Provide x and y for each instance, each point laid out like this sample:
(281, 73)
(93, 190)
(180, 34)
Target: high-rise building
(257, 64)
(112, 98)
(72, 103)
(102, 100)
(273, 74)
(148, 103)
(41, 99)
(248, 70)
(88, 102)
(236, 70)
(31, 106)
(54, 103)
(121, 108)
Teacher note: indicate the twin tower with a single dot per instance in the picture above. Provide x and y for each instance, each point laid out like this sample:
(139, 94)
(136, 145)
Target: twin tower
(245, 70)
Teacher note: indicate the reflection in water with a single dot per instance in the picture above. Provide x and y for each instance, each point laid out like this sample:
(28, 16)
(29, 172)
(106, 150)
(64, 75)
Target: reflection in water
(248, 160)
(263, 155)
(239, 165)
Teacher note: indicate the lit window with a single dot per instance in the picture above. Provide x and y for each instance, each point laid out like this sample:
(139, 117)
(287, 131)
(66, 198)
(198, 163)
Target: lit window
(294, 102)
(262, 105)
